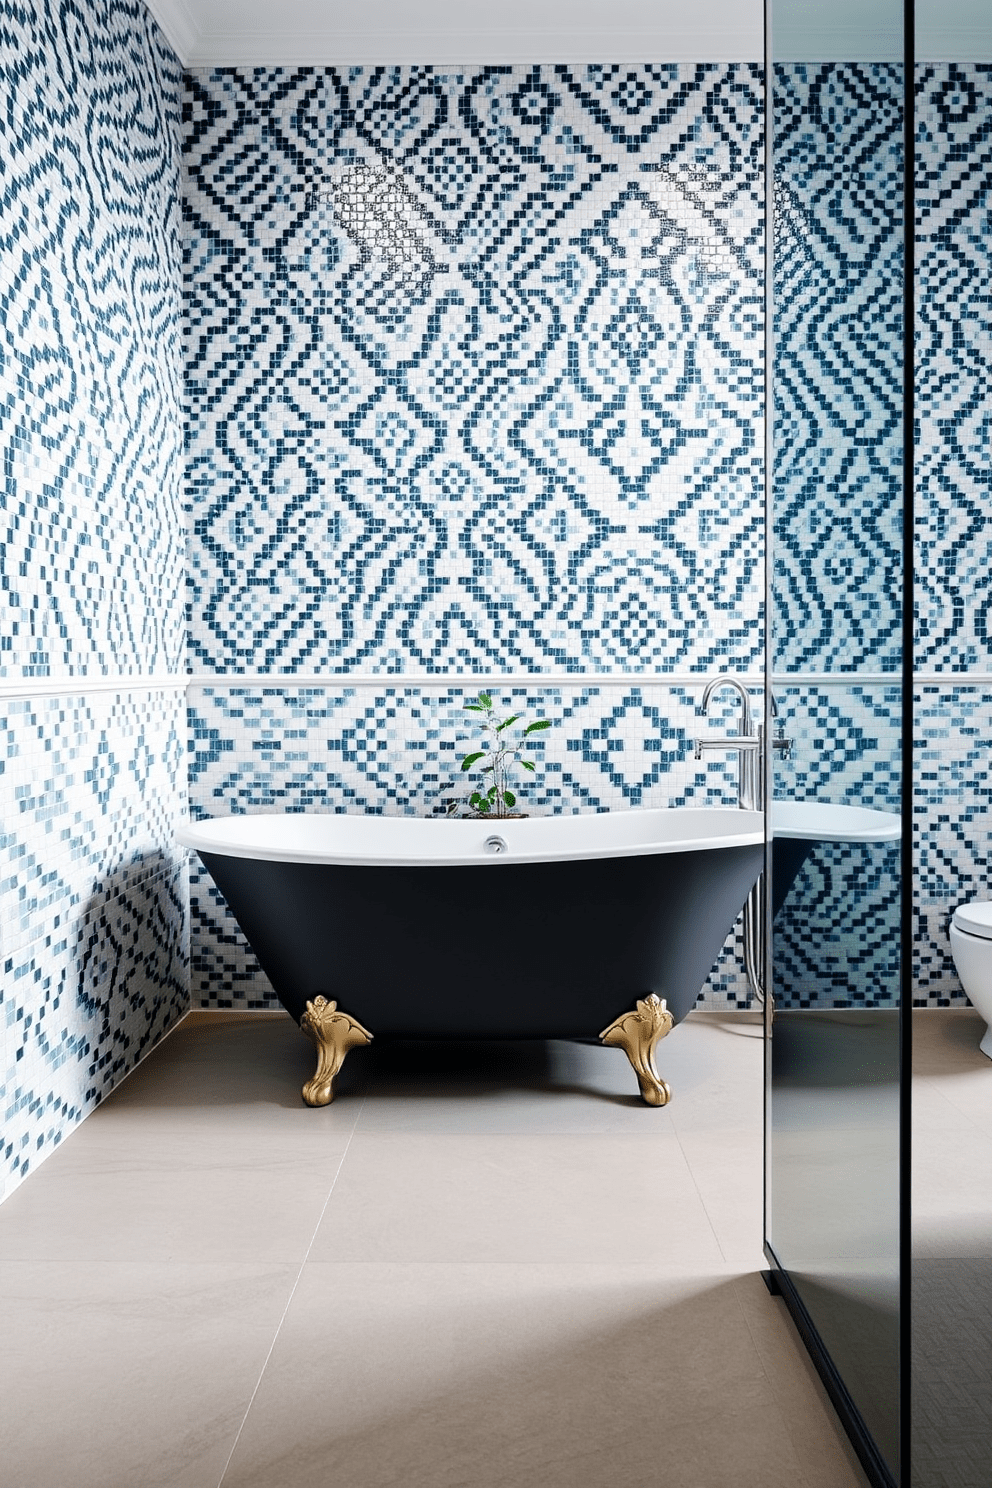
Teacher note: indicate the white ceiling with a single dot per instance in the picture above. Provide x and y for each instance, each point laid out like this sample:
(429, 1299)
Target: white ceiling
(292, 33)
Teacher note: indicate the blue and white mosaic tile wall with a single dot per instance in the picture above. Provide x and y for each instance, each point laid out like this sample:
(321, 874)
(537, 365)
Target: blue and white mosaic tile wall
(837, 933)
(475, 368)
(93, 896)
(838, 205)
(954, 508)
(837, 508)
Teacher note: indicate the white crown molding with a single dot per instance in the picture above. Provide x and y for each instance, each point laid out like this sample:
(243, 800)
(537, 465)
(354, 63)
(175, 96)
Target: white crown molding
(291, 33)
(461, 48)
(180, 27)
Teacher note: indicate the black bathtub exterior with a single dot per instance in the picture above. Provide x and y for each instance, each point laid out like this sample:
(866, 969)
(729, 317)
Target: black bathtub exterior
(494, 950)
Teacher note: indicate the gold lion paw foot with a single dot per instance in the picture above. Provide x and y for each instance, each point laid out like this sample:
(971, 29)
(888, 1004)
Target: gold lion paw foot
(637, 1033)
(334, 1034)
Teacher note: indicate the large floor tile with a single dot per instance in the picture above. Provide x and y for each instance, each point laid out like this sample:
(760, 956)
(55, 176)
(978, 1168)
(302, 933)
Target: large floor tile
(526, 1087)
(719, 1077)
(114, 1376)
(123, 1211)
(945, 1040)
(558, 1375)
(560, 1086)
(235, 1072)
(203, 1154)
(969, 1092)
(827, 1456)
(516, 1198)
(726, 1168)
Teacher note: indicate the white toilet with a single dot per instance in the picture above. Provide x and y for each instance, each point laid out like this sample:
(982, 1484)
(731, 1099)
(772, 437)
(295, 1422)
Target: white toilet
(971, 947)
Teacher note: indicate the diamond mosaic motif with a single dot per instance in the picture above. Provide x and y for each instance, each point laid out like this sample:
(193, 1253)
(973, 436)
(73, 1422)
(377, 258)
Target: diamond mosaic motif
(534, 292)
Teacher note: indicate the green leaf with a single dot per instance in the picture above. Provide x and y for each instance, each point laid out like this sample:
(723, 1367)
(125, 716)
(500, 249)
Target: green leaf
(506, 723)
(477, 802)
(471, 759)
(542, 723)
(527, 764)
(485, 700)
(475, 708)
(509, 798)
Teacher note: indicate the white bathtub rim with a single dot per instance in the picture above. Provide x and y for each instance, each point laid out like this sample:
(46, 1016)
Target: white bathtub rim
(425, 842)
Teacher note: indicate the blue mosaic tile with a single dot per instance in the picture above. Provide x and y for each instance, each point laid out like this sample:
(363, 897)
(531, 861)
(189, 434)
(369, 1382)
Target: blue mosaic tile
(953, 356)
(91, 512)
(952, 816)
(837, 935)
(838, 367)
(94, 904)
(475, 375)
(93, 893)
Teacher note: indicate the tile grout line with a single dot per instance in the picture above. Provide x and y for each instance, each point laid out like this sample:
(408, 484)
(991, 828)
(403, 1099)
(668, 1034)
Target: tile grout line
(292, 1294)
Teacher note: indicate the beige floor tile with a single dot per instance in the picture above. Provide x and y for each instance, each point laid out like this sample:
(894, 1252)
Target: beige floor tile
(237, 1070)
(936, 1117)
(115, 1376)
(522, 1275)
(968, 1092)
(946, 1040)
(726, 1168)
(719, 1083)
(267, 1212)
(823, 1448)
(590, 1198)
(206, 1153)
(520, 1088)
(477, 1376)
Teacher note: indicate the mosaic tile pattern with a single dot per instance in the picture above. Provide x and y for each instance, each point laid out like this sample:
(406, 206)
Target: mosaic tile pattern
(397, 752)
(94, 904)
(474, 372)
(836, 938)
(838, 367)
(91, 517)
(953, 361)
(952, 811)
(93, 895)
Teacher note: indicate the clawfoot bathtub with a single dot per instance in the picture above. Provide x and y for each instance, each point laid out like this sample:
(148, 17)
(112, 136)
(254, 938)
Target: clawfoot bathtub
(579, 927)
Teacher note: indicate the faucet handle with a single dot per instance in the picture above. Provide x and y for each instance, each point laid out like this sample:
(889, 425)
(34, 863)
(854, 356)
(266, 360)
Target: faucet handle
(782, 746)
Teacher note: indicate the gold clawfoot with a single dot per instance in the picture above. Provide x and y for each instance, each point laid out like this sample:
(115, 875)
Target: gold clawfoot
(334, 1034)
(636, 1033)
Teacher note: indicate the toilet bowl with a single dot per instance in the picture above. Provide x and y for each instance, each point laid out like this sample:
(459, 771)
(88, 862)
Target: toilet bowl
(971, 947)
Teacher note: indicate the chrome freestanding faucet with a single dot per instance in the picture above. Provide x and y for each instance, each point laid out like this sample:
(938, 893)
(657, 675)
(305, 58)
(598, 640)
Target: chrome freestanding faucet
(749, 744)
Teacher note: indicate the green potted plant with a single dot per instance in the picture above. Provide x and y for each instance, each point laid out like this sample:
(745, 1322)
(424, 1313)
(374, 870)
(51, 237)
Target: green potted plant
(500, 753)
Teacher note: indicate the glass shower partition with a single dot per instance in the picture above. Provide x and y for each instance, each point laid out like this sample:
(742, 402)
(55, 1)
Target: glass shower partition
(834, 1227)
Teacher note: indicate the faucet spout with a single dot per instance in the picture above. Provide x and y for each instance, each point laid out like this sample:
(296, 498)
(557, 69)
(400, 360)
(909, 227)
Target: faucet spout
(738, 685)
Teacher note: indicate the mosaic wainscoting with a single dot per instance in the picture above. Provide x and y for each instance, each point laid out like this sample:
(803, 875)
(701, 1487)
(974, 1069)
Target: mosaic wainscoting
(94, 903)
(92, 893)
(954, 367)
(838, 367)
(837, 933)
(475, 368)
(953, 825)
(396, 751)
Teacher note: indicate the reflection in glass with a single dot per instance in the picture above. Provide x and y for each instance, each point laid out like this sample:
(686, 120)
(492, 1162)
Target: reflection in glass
(951, 1313)
(833, 1142)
